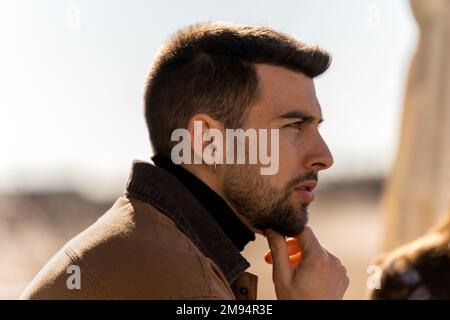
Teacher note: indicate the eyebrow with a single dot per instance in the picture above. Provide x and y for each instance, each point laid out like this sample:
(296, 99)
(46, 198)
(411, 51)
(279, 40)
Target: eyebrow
(301, 115)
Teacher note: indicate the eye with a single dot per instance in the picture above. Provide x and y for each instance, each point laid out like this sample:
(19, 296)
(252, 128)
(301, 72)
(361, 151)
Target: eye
(296, 125)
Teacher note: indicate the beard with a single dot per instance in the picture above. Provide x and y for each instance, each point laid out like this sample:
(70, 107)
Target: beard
(264, 206)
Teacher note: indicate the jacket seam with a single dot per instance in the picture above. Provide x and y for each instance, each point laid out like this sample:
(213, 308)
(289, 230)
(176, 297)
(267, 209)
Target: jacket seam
(76, 259)
(203, 272)
(191, 250)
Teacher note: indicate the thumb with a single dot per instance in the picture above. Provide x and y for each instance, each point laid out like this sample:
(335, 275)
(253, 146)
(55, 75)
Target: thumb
(281, 264)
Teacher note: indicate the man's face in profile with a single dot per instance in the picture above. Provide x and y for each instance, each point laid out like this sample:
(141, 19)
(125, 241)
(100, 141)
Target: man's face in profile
(287, 102)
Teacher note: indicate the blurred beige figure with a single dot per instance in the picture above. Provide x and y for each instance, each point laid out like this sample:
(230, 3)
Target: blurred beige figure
(417, 191)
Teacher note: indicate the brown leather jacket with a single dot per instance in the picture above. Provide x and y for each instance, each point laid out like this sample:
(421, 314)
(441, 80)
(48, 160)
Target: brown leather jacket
(156, 242)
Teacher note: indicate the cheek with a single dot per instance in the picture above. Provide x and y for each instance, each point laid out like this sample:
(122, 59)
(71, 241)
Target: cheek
(286, 168)
(291, 152)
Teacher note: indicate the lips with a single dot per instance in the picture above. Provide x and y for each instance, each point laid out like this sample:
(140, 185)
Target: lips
(307, 186)
(305, 191)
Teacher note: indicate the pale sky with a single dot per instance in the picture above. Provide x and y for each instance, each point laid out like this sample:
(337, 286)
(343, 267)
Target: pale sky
(72, 74)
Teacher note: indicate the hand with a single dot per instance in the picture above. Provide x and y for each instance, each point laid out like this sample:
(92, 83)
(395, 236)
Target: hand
(320, 275)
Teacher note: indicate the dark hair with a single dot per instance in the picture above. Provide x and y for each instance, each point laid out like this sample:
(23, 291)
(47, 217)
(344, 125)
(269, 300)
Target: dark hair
(208, 68)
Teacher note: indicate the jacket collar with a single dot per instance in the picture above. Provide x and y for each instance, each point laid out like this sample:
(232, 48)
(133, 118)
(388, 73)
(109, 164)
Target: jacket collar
(162, 190)
(236, 231)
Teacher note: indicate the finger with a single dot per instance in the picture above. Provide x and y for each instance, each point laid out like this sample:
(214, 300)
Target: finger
(309, 245)
(336, 259)
(281, 266)
(344, 279)
(343, 286)
(332, 256)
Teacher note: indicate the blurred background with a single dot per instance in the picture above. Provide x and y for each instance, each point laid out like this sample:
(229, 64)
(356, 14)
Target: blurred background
(71, 119)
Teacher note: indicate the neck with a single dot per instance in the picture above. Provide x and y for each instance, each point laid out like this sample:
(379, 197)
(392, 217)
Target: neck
(212, 180)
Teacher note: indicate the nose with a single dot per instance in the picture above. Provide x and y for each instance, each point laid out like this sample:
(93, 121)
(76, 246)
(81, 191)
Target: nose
(319, 157)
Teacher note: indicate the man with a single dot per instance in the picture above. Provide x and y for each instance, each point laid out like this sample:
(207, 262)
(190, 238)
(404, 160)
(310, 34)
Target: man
(178, 231)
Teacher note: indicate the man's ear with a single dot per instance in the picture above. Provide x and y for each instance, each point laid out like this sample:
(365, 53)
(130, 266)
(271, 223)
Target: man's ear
(198, 127)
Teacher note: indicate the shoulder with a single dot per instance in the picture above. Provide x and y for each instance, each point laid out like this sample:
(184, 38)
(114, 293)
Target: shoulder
(136, 252)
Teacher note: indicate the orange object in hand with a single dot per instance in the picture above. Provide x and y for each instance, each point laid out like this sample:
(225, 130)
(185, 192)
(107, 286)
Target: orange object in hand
(295, 255)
